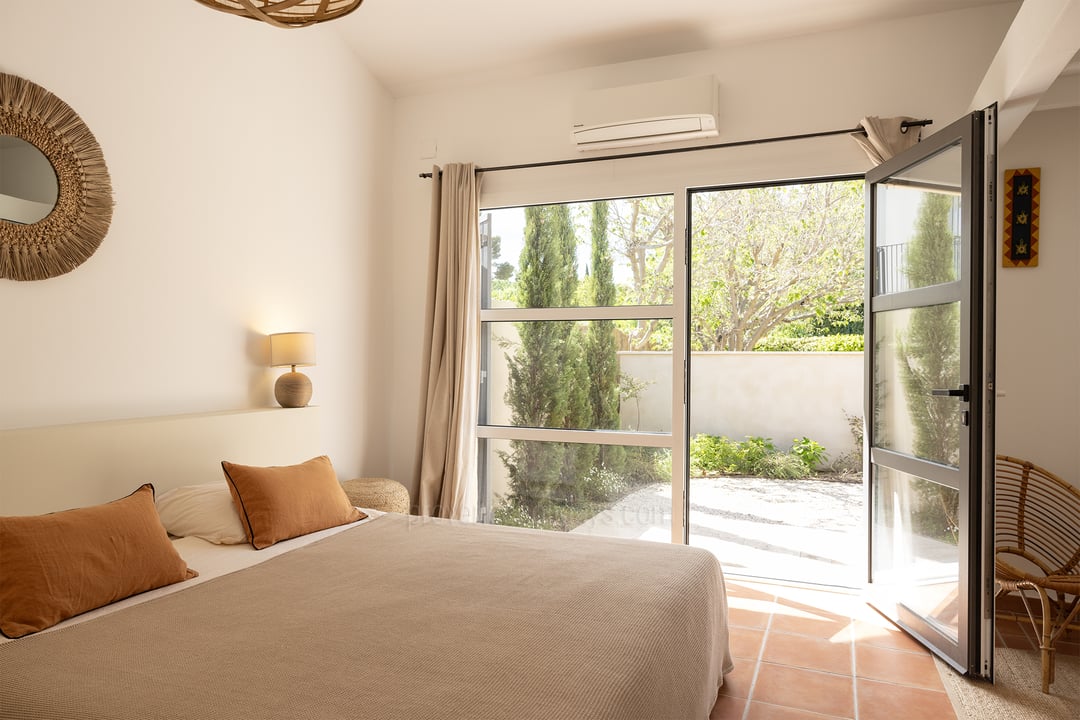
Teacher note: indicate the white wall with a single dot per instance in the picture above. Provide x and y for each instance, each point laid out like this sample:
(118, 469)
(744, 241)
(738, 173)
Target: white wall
(925, 67)
(1038, 323)
(246, 165)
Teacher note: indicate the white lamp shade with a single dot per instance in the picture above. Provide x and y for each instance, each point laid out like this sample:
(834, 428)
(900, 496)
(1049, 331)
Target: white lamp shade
(292, 348)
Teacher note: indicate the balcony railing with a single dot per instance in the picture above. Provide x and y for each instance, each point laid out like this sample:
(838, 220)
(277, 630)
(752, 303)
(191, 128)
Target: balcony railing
(891, 267)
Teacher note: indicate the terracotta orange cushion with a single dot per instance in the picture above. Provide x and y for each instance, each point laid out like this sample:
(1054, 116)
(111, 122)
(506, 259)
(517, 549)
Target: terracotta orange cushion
(281, 502)
(56, 566)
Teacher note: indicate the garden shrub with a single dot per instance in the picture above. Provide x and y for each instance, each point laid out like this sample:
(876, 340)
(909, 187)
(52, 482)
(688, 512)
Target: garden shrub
(711, 454)
(782, 465)
(817, 343)
(850, 463)
(508, 512)
(757, 456)
(601, 485)
(752, 452)
(810, 452)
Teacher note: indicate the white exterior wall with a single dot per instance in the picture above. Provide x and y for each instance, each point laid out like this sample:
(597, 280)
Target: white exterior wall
(777, 395)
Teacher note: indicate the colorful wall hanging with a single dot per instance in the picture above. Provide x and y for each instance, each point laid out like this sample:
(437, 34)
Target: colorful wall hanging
(1020, 245)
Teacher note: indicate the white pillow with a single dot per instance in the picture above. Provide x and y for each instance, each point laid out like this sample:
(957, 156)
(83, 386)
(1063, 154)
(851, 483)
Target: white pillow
(203, 511)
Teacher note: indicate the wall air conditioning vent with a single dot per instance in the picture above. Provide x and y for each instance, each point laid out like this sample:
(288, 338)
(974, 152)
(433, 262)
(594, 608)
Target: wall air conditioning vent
(658, 112)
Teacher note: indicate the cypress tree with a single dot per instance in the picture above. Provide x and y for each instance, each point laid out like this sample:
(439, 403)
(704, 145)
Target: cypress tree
(543, 390)
(929, 355)
(601, 350)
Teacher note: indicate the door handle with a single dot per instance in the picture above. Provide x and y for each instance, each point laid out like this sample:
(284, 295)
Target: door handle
(960, 392)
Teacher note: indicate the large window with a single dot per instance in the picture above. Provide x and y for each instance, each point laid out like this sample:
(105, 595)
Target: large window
(577, 318)
(594, 316)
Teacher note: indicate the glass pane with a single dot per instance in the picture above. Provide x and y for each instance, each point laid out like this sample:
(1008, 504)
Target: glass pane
(918, 225)
(917, 350)
(588, 489)
(590, 254)
(28, 184)
(777, 268)
(576, 375)
(916, 526)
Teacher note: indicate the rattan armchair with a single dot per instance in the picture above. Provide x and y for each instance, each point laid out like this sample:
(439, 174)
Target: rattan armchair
(1037, 548)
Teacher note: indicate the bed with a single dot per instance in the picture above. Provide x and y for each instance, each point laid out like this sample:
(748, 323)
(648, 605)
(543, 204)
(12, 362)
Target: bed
(385, 616)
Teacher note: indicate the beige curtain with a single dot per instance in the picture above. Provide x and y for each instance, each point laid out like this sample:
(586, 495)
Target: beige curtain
(451, 347)
(884, 137)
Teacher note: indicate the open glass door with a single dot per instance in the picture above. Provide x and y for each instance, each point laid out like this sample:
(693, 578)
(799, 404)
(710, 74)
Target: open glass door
(929, 364)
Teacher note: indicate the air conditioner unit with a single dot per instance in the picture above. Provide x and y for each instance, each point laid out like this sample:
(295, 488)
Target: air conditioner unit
(657, 112)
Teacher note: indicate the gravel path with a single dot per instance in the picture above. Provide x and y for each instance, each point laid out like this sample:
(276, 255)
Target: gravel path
(809, 530)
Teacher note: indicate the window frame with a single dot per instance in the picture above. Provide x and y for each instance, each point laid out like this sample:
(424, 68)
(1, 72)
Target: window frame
(676, 440)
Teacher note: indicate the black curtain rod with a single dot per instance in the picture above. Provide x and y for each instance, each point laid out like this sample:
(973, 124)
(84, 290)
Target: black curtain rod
(670, 151)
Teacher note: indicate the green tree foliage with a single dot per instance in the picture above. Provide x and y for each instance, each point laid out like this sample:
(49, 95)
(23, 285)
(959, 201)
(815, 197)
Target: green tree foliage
(545, 359)
(565, 375)
(642, 231)
(929, 355)
(501, 272)
(601, 349)
(813, 343)
(837, 329)
(929, 351)
(767, 256)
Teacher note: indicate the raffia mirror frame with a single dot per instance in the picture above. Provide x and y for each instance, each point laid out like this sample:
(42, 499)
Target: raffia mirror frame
(73, 231)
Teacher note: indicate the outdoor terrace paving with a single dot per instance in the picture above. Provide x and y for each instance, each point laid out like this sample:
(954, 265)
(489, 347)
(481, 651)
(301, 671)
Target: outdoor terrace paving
(807, 530)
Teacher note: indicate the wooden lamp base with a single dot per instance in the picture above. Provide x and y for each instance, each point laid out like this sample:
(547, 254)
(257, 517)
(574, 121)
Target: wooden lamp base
(293, 390)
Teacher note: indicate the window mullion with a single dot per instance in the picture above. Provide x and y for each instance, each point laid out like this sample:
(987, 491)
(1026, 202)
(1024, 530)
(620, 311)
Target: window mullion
(584, 437)
(619, 312)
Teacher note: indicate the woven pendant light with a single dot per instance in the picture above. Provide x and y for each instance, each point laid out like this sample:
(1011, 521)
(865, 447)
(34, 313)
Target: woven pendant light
(285, 13)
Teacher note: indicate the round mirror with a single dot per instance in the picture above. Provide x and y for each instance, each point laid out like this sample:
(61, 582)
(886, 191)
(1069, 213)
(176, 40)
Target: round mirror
(74, 215)
(28, 185)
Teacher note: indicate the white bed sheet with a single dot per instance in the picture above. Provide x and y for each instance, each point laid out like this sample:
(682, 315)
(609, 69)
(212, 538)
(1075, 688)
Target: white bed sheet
(210, 561)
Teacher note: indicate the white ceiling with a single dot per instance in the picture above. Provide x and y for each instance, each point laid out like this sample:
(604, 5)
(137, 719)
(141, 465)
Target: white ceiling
(415, 45)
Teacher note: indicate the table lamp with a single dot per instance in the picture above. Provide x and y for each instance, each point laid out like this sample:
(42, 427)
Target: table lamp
(292, 350)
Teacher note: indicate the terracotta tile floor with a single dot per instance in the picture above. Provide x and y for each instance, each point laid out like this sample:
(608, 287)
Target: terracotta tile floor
(802, 654)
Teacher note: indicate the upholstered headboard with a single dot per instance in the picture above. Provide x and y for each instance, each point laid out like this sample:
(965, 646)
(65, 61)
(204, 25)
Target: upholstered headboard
(64, 466)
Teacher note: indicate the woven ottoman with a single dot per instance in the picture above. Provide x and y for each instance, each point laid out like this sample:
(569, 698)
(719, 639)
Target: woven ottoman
(378, 494)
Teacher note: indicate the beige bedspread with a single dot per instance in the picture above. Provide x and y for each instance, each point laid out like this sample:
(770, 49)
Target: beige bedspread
(401, 618)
